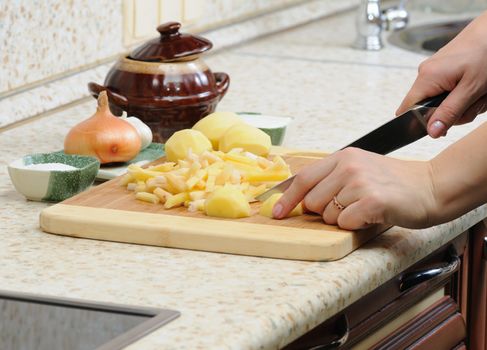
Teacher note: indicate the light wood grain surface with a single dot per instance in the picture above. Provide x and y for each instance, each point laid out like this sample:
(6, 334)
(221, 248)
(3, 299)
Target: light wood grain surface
(110, 212)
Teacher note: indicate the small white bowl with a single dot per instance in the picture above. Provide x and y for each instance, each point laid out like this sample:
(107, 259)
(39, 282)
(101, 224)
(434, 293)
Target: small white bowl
(52, 185)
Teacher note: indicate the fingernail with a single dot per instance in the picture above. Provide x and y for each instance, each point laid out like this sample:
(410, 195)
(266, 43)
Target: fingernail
(437, 129)
(277, 210)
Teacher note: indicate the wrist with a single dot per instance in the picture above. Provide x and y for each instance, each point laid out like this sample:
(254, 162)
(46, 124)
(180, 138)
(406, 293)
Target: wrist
(436, 202)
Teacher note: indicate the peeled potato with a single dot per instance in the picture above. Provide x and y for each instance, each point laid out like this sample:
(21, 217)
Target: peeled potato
(215, 124)
(178, 145)
(268, 205)
(247, 137)
(227, 202)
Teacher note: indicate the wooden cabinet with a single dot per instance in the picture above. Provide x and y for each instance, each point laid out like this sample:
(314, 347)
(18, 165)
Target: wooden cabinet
(440, 326)
(477, 289)
(438, 303)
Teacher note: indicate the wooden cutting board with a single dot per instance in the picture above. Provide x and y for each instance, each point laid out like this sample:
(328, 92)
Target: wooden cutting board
(110, 212)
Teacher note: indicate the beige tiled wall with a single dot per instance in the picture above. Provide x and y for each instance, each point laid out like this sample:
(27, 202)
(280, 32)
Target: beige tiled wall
(44, 39)
(216, 12)
(51, 49)
(40, 39)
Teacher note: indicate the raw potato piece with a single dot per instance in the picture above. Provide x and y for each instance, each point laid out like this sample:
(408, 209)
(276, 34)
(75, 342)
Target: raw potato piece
(268, 205)
(215, 124)
(227, 202)
(178, 145)
(247, 137)
(190, 181)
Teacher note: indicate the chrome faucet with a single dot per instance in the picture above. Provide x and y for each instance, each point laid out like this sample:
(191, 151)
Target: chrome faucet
(371, 21)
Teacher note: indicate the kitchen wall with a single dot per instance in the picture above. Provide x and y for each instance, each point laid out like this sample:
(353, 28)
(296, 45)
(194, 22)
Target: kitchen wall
(42, 39)
(51, 49)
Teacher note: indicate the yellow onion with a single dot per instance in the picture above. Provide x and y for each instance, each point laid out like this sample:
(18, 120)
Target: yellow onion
(104, 136)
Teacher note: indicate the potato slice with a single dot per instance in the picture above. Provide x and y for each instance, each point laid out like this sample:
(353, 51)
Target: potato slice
(227, 202)
(215, 124)
(246, 137)
(184, 141)
(268, 205)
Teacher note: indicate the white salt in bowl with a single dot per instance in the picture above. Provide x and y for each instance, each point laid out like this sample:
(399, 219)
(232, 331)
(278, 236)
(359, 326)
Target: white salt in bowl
(52, 177)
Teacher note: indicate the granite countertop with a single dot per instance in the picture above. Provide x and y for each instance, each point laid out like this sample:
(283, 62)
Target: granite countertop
(335, 94)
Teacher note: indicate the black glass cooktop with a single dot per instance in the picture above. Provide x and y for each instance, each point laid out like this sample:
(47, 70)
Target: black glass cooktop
(32, 322)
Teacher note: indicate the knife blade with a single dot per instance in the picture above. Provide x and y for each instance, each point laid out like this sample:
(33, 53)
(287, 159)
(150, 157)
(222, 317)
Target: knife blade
(396, 133)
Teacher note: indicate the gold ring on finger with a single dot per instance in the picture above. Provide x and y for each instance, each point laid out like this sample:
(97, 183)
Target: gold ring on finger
(337, 204)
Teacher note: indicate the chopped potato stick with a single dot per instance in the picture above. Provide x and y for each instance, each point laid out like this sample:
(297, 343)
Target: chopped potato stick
(224, 175)
(163, 195)
(164, 167)
(177, 182)
(141, 187)
(266, 176)
(184, 163)
(196, 205)
(251, 155)
(158, 181)
(126, 179)
(201, 185)
(278, 164)
(193, 180)
(141, 174)
(211, 158)
(242, 166)
(176, 200)
(147, 197)
(191, 156)
(219, 154)
(210, 183)
(235, 177)
(263, 162)
(195, 195)
(216, 166)
(240, 159)
(194, 168)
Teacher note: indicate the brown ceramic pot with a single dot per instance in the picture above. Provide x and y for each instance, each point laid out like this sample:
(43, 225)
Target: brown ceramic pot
(165, 83)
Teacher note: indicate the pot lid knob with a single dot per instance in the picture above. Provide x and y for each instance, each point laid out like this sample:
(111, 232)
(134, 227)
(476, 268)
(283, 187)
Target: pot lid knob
(171, 45)
(169, 28)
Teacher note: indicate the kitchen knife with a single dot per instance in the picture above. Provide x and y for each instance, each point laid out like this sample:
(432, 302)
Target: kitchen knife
(399, 132)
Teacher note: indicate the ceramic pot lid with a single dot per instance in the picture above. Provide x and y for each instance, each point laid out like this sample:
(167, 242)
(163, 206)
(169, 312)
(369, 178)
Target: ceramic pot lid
(171, 45)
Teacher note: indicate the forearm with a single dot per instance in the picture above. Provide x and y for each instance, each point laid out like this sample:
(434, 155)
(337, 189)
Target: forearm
(459, 176)
(474, 33)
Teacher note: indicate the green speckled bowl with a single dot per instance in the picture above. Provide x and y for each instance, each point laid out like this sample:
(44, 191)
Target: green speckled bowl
(52, 185)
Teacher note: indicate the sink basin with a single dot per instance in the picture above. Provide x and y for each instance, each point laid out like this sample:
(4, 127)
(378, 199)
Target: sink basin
(34, 322)
(428, 38)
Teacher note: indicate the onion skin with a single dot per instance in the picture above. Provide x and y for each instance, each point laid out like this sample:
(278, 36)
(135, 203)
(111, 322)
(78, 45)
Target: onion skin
(104, 136)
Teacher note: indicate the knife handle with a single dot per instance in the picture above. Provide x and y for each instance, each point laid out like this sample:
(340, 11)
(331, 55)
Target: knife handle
(433, 101)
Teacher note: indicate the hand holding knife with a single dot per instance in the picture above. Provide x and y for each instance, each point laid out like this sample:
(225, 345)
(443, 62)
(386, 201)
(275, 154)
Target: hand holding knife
(399, 132)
